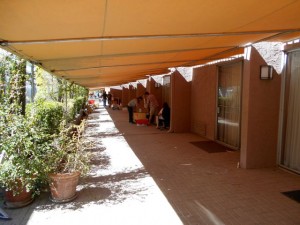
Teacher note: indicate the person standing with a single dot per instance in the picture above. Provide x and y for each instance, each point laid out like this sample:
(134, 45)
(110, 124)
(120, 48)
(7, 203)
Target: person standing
(131, 104)
(152, 104)
(104, 97)
(109, 99)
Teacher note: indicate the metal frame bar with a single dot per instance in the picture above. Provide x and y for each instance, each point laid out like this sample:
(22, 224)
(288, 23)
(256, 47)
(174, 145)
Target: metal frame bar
(111, 38)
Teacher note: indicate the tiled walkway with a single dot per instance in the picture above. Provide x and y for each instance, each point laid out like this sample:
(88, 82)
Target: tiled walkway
(142, 175)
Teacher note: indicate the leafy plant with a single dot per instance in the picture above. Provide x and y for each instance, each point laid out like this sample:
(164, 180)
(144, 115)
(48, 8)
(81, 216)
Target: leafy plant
(23, 145)
(69, 152)
(46, 114)
(78, 104)
(34, 145)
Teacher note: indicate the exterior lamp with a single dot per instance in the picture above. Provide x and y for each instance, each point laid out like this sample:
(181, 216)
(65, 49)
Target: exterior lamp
(266, 72)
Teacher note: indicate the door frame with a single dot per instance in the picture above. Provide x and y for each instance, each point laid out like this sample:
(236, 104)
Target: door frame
(241, 61)
(283, 108)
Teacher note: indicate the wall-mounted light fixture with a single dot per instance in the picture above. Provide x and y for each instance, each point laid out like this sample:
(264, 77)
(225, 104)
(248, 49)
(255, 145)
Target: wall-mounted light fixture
(266, 72)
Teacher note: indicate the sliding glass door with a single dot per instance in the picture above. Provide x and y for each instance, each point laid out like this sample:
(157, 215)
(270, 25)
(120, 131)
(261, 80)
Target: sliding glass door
(290, 157)
(229, 104)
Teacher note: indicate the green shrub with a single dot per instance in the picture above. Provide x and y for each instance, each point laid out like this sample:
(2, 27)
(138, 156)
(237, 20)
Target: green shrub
(74, 106)
(46, 114)
(24, 145)
(70, 111)
(79, 103)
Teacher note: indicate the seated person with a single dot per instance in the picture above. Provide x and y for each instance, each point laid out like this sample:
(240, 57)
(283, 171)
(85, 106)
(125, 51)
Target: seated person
(115, 105)
(163, 118)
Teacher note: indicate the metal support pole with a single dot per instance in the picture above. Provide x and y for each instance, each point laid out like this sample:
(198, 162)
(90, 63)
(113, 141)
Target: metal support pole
(33, 91)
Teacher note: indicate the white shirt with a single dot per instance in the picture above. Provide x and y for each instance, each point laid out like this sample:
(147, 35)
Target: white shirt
(132, 103)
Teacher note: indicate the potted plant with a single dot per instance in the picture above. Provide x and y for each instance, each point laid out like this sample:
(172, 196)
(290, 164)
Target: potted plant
(68, 160)
(22, 146)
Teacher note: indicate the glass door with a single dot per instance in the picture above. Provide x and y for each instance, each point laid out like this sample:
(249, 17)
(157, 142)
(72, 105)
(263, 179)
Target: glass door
(229, 104)
(290, 157)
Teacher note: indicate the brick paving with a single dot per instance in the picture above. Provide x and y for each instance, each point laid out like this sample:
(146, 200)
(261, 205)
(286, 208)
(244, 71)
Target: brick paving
(208, 188)
(141, 175)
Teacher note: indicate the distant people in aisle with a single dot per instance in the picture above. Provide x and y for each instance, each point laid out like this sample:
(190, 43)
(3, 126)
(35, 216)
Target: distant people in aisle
(109, 99)
(104, 98)
(131, 105)
(151, 104)
(163, 117)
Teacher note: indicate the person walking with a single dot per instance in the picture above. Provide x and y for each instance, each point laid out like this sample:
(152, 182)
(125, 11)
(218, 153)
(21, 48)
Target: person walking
(151, 104)
(131, 105)
(104, 97)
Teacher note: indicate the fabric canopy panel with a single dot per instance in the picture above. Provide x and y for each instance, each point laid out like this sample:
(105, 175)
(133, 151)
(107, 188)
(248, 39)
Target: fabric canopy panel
(98, 43)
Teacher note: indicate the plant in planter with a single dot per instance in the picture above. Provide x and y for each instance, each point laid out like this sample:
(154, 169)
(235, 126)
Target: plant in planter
(21, 143)
(22, 146)
(67, 161)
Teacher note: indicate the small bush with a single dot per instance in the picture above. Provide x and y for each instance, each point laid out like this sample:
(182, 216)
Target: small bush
(74, 106)
(46, 114)
(79, 103)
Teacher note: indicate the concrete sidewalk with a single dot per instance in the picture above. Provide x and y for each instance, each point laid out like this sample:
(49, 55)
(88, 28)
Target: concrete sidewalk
(141, 175)
(118, 190)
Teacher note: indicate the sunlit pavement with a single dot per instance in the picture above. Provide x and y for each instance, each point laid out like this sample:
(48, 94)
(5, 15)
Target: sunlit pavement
(141, 175)
(117, 191)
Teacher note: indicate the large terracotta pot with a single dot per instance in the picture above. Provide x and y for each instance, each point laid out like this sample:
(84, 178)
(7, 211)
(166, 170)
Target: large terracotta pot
(63, 186)
(22, 199)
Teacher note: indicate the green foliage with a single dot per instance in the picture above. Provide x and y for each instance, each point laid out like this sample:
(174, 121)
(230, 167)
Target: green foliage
(38, 143)
(46, 114)
(56, 89)
(69, 110)
(75, 106)
(13, 78)
(31, 153)
(69, 152)
(79, 103)
(46, 85)
(80, 92)
(24, 145)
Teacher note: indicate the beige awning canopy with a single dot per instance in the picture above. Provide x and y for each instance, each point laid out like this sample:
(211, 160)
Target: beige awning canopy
(110, 42)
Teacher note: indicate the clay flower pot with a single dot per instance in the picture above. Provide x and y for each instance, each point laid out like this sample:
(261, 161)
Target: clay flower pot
(63, 186)
(22, 199)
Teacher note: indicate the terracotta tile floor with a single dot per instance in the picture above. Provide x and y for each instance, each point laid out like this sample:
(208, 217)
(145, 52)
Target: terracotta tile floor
(141, 175)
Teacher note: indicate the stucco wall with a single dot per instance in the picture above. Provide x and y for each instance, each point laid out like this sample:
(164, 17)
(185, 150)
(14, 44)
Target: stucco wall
(203, 101)
(140, 90)
(116, 93)
(260, 108)
(260, 115)
(132, 92)
(125, 96)
(180, 103)
(156, 90)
